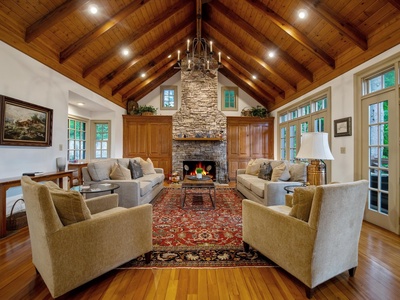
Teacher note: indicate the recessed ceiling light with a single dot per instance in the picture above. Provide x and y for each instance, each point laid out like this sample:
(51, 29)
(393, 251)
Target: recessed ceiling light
(143, 75)
(271, 54)
(125, 52)
(302, 13)
(93, 9)
(254, 77)
(169, 56)
(228, 57)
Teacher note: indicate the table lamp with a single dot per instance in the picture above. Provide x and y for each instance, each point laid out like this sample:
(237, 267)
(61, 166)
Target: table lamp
(314, 146)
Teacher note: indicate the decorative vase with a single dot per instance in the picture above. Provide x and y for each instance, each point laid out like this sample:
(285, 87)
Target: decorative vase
(199, 175)
(60, 162)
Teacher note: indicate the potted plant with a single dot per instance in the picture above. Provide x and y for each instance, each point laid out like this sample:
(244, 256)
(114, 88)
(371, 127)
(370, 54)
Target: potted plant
(199, 172)
(146, 110)
(258, 111)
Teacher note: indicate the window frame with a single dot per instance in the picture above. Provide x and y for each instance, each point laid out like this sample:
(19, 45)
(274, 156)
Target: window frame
(164, 88)
(223, 100)
(93, 138)
(86, 149)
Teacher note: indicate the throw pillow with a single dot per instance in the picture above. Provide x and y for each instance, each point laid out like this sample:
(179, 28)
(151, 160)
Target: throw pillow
(147, 166)
(280, 172)
(253, 168)
(298, 172)
(302, 201)
(70, 206)
(136, 169)
(119, 172)
(265, 171)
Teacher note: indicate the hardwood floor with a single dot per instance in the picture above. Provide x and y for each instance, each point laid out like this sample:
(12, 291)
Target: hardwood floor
(377, 277)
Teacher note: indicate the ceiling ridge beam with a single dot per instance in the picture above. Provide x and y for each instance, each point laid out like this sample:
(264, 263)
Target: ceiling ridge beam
(148, 81)
(158, 59)
(52, 18)
(293, 32)
(250, 53)
(128, 64)
(263, 40)
(101, 29)
(341, 25)
(137, 35)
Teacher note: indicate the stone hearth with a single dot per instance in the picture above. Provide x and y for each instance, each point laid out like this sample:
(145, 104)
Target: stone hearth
(199, 116)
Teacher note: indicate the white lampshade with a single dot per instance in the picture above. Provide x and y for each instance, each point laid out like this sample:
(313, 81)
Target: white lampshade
(314, 145)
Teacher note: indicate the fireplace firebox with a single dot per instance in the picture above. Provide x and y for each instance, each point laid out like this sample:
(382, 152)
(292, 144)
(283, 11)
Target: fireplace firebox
(209, 168)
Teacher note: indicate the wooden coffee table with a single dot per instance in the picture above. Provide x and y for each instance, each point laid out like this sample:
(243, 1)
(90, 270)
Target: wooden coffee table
(190, 182)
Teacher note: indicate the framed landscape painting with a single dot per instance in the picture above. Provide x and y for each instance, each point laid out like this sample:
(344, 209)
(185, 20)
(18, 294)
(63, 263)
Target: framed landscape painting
(24, 124)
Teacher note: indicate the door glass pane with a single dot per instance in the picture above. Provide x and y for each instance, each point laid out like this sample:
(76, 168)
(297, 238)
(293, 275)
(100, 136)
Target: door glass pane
(319, 125)
(292, 143)
(379, 157)
(283, 143)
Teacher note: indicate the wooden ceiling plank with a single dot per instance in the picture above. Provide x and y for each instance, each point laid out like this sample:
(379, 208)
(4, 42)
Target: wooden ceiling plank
(148, 81)
(235, 78)
(395, 3)
(98, 31)
(250, 53)
(293, 32)
(340, 24)
(260, 38)
(139, 56)
(159, 58)
(137, 35)
(40, 26)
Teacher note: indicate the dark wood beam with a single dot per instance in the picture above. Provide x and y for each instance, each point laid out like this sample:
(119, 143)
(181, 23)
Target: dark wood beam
(395, 3)
(156, 60)
(293, 32)
(244, 69)
(150, 83)
(341, 25)
(260, 38)
(139, 56)
(145, 29)
(98, 31)
(249, 52)
(52, 18)
(235, 78)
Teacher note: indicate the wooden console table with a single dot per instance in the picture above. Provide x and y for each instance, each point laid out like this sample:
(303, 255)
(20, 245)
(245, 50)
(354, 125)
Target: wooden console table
(7, 183)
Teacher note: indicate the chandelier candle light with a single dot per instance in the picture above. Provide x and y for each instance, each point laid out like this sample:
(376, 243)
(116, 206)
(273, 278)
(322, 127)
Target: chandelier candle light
(314, 146)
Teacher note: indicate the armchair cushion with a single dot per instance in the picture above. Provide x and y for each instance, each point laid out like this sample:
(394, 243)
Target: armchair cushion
(302, 201)
(119, 172)
(70, 206)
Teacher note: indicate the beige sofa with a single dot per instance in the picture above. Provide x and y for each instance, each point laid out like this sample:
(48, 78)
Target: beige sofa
(269, 192)
(313, 245)
(74, 241)
(132, 192)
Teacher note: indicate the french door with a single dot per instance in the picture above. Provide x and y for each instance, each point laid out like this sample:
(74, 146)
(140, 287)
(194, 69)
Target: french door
(380, 159)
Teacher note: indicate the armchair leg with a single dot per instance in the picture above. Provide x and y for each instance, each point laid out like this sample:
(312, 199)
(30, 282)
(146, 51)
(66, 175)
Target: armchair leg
(147, 257)
(309, 292)
(246, 246)
(352, 271)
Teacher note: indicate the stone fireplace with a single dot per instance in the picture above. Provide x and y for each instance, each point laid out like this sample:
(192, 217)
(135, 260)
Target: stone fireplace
(199, 117)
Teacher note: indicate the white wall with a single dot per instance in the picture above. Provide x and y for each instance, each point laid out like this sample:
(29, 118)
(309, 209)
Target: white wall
(24, 78)
(342, 106)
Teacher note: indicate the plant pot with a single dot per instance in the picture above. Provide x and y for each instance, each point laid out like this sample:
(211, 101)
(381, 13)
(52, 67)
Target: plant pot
(199, 175)
(147, 113)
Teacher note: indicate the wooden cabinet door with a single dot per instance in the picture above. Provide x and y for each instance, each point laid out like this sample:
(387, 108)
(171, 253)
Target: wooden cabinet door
(149, 137)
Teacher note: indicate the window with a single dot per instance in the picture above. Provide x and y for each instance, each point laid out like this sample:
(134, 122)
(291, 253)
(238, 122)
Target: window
(229, 96)
(76, 139)
(379, 82)
(101, 138)
(169, 97)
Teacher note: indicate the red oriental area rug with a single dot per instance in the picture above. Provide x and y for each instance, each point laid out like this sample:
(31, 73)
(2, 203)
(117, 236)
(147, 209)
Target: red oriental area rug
(198, 235)
(197, 224)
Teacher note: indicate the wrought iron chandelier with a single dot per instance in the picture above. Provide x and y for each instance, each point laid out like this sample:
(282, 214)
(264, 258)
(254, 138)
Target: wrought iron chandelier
(199, 53)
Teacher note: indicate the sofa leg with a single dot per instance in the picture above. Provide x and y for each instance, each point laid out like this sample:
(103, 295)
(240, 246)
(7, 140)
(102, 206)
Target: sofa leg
(309, 292)
(246, 246)
(147, 257)
(352, 271)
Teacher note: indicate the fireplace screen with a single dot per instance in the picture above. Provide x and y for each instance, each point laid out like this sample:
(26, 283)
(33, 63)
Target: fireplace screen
(209, 168)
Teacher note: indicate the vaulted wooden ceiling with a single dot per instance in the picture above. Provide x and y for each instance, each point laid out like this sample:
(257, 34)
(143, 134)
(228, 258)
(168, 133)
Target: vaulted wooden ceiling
(337, 35)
